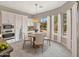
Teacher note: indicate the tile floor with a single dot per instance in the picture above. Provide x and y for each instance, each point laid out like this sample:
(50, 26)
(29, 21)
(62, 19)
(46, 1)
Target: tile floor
(55, 50)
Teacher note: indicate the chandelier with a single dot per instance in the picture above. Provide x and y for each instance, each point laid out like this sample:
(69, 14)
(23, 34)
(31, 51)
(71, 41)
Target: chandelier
(36, 19)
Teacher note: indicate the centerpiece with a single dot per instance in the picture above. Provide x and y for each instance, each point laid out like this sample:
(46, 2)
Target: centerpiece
(3, 46)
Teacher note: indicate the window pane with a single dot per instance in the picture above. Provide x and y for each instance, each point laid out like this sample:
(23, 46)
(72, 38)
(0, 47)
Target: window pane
(43, 24)
(55, 24)
(64, 23)
(30, 25)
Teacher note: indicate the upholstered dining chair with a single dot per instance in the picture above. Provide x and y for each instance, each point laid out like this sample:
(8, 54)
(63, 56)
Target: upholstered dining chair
(47, 38)
(39, 41)
(27, 39)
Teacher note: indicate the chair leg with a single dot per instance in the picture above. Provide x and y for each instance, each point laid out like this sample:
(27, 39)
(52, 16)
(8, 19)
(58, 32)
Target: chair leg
(35, 50)
(49, 43)
(23, 44)
(42, 49)
(31, 43)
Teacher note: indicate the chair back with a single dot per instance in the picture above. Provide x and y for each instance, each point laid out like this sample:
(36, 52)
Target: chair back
(44, 34)
(39, 39)
(48, 35)
(26, 37)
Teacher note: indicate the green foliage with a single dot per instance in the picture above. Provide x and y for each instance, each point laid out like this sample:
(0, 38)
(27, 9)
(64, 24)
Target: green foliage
(55, 24)
(43, 26)
(64, 23)
(65, 28)
(55, 19)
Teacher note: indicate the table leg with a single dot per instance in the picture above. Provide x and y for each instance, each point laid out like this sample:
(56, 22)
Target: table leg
(33, 42)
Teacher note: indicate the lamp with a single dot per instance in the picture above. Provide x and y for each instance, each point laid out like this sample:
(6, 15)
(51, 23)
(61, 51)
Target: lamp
(36, 19)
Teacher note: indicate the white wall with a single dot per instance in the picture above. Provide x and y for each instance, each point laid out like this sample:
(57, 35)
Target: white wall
(69, 23)
(7, 17)
(78, 31)
(52, 28)
(74, 30)
(59, 28)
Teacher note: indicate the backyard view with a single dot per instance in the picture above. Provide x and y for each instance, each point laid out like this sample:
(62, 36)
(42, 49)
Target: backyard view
(64, 23)
(43, 24)
(55, 24)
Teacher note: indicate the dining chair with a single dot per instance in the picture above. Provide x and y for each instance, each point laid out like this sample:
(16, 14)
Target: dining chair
(27, 39)
(47, 38)
(39, 41)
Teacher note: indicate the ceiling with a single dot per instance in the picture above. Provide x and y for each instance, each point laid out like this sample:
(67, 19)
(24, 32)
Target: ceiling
(29, 6)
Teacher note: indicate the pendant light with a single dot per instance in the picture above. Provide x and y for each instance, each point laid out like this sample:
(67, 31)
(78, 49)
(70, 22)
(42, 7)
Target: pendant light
(36, 19)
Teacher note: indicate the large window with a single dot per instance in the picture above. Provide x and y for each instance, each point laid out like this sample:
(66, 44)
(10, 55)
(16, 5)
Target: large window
(30, 25)
(64, 23)
(55, 24)
(43, 24)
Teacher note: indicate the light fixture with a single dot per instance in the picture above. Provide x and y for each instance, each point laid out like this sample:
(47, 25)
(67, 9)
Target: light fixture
(36, 19)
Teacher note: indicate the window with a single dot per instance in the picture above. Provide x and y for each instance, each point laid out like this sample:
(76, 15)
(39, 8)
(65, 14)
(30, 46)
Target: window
(43, 24)
(64, 23)
(30, 25)
(55, 24)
